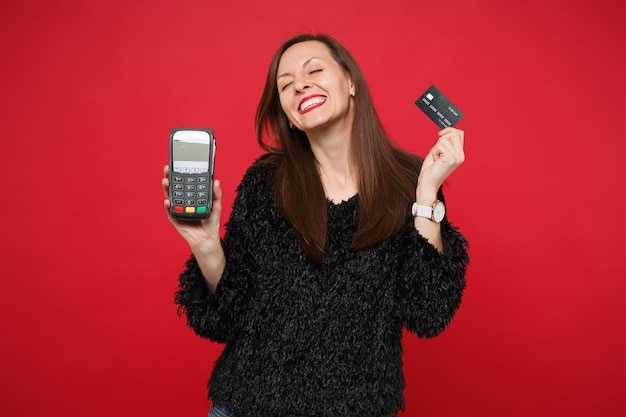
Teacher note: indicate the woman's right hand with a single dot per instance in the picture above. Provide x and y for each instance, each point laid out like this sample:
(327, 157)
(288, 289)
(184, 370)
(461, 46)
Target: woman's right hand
(202, 236)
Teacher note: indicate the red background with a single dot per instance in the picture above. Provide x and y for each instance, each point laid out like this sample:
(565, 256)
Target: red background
(89, 262)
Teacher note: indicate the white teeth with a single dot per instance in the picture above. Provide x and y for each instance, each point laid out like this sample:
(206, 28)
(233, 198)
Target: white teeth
(311, 102)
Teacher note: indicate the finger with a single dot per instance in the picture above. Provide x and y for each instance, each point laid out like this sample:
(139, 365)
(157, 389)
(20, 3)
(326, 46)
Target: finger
(449, 150)
(216, 208)
(167, 204)
(446, 131)
(452, 132)
(459, 135)
(165, 181)
(455, 138)
(217, 195)
(449, 130)
(165, 185)
(454, 147)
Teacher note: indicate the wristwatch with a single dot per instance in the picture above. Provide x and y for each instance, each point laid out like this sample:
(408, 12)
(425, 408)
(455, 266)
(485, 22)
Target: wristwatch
(434, 212)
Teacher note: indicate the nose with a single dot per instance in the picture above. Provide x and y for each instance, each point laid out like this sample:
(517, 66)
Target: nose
(301, 86)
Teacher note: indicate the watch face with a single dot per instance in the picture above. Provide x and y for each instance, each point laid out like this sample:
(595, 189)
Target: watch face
(439, 210)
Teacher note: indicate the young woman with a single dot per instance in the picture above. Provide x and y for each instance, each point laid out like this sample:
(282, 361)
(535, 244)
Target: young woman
(336, 241)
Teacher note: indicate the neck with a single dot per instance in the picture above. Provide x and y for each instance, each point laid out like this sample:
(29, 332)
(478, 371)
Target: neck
(336, 170)
(330, 145)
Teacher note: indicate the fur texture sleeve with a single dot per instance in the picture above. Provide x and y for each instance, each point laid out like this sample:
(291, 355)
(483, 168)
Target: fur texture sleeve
(431, 284)
(201, 308)
(217, 316)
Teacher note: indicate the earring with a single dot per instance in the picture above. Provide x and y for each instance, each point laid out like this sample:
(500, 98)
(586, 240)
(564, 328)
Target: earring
(291, 125)
(352, 93)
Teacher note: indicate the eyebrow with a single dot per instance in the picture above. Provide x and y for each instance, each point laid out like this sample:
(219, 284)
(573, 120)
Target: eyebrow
(304, 64)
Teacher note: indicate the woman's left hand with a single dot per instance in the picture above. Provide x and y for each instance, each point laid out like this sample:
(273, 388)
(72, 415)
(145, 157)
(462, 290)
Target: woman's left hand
(441, 161)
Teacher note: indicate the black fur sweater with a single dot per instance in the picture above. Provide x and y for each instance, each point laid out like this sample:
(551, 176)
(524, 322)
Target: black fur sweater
(309, 340)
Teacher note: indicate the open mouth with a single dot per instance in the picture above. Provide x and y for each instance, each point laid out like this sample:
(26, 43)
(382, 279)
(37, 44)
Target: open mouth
(311, 103)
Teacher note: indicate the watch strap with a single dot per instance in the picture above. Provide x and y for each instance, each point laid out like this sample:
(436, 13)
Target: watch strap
(422, 211)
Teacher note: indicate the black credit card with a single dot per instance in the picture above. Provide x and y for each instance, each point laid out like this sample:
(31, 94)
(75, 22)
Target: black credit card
(438, 108)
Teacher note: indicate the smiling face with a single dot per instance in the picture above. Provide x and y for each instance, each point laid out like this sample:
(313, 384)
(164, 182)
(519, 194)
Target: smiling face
(315, 92)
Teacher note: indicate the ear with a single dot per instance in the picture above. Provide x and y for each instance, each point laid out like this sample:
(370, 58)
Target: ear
(351, 88)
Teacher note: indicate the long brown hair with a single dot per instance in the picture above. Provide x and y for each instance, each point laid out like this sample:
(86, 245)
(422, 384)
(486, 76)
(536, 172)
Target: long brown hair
(387, 175)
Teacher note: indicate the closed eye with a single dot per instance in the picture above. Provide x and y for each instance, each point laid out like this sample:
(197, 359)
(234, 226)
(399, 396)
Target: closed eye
(284, 87)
